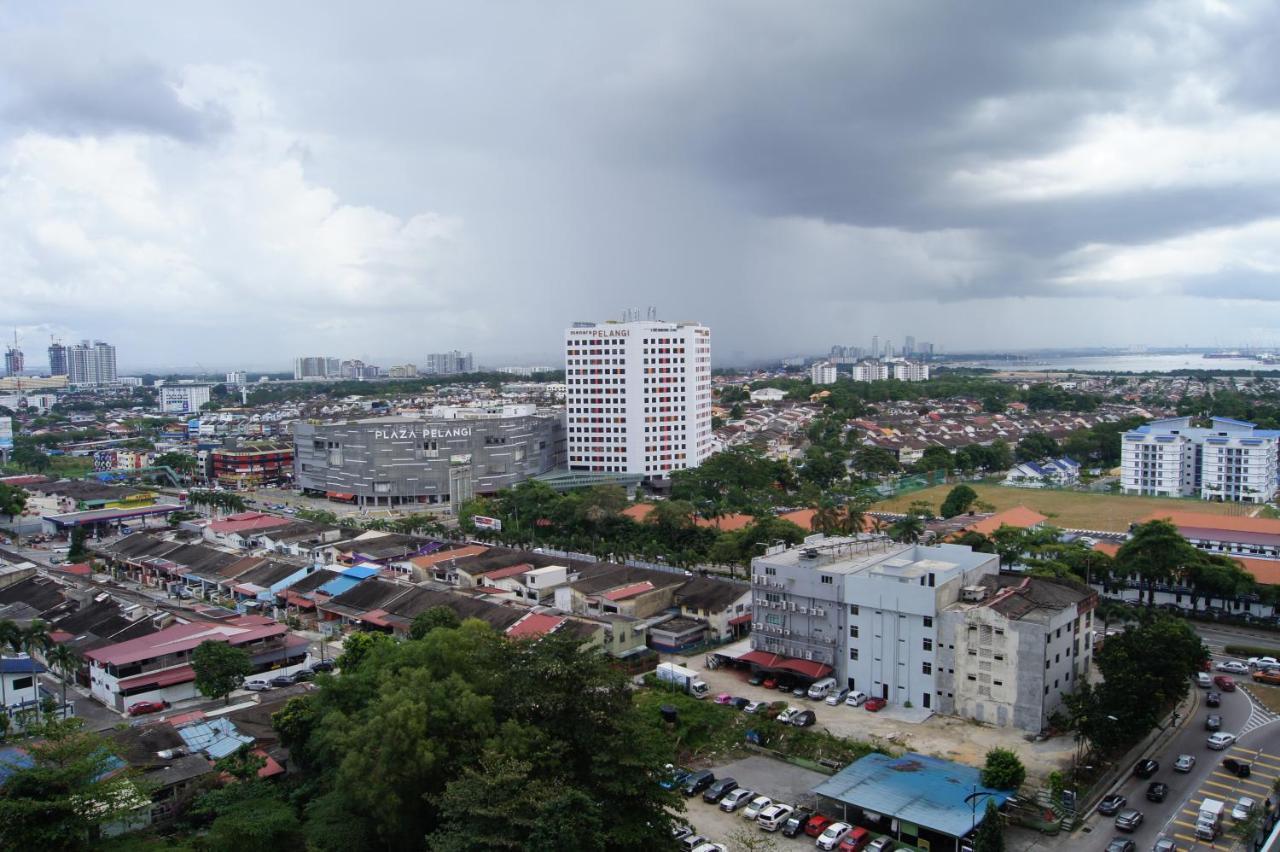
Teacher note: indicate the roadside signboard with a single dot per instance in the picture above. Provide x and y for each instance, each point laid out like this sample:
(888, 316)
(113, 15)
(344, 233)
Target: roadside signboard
(485, 523)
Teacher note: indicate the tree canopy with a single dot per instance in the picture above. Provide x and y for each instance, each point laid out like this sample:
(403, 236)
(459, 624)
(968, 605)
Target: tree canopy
(219, 668)
(958, 501)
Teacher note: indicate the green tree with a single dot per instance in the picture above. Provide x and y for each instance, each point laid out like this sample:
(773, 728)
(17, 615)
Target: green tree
(975, 540)
(11, 635)
(317, 516)
(32, 638)
(1035, 446)
(219, 668)
(250, 816)
(179, 462)
(875, 460)
(359, 646)
(908, 529)
(12, 500)
(65, 660)
(958, 501)
(1155, 553)
(935, 458)
(990, 834)
(432, 619)
(1003, 770)
(77, 550)
(74, 785)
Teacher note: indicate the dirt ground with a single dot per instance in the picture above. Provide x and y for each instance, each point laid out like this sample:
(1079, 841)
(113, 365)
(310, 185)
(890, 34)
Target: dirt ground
(940, 736)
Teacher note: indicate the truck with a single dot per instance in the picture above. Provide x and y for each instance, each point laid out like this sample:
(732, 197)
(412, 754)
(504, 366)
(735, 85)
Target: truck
(684, 679)
(1209, 820)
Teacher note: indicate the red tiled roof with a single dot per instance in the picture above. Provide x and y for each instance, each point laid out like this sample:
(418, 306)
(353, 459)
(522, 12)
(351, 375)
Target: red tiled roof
(445, 555)
(1018, 516)
(298, 600)
(164, 677)
(376, 617)
(629, 591)
(79, 569)
(1265, 571)
(185, 637)
(766, 660)
(185, 718)
(246, 521)
(1225, 523)
(729, 523)
(534, 624)
(509, 571)
(741, 619)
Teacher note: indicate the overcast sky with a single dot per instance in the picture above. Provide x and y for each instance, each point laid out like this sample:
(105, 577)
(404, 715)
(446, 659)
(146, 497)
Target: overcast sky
(237, 183)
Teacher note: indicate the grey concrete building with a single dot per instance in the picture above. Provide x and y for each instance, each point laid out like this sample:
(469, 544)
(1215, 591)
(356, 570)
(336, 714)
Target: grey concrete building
(1015, 647)
(390, 461)
(862, 610)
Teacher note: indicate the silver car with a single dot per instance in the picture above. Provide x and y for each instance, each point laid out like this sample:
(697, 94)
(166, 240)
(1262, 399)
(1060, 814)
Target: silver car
(1184, 763)
(1243, 807)
(1129, 819)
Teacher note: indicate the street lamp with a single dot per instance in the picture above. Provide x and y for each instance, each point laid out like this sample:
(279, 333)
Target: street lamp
(973, 799)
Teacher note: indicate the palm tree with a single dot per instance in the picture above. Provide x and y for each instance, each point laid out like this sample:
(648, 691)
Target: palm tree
(853, 519)
(826, 516)
(66, 661)
(908, 529)
(11, 635)
(36, 635)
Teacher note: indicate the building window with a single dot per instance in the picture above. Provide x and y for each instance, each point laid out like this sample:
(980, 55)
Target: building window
(972, 677)
(998, 682)
(928, 644)
(770, 570)
(853, 631)
(853, 609)
(926, 668)
(928, 621)
(827, 579)
(853, 653)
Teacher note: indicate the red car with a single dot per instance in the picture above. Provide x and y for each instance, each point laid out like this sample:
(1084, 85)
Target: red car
(875, 704)
(142, 708)
(1225, 683)
(817, 824)
(770, 683)
(855, 840)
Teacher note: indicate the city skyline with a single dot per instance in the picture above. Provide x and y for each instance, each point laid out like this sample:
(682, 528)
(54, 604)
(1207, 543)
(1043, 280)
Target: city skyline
(197, 184)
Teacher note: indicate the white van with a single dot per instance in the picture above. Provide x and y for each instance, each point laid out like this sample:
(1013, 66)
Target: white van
(821, 688)
(837, 696)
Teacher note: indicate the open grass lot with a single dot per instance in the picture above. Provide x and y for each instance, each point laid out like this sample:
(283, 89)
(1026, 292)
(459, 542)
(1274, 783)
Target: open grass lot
(1071, 509)
(1267, 695)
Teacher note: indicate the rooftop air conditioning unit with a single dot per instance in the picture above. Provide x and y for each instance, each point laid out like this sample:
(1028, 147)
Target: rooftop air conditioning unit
(973, 594)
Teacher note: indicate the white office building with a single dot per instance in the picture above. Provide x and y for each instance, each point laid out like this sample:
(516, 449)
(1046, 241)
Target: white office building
(823, 374)
(1230, 460)
(638, 396)
(91, 364)
(870, 371)
(864, 610)
(183, 399)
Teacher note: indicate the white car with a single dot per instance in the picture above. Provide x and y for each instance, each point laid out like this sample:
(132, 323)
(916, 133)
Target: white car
(856, 698)
(772, 817)
(755, 706)
(835, 832)
(1259, 662)
(1243, 807)
(785, 716)
(710, 847)
(1184, 763)
(1220, 740)
(755, 807)
(257, 685)
(1233, 666)
(736, 798)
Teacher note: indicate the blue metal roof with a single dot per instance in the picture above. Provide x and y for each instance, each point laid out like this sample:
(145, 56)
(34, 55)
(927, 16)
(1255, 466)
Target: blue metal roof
(1233, 422)
(928, 791)
(215, 737)
(361, 572)
(20, 665)
(13, 759)
(338, 585)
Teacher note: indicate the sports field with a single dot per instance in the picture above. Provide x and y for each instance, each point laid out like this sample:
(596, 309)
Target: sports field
(1071, 509)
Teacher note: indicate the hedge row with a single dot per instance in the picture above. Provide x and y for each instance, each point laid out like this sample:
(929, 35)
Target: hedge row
(1252, 651)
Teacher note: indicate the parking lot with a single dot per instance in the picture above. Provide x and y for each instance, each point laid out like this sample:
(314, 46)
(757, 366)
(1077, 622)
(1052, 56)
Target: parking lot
(776, 779)
(1226, 788)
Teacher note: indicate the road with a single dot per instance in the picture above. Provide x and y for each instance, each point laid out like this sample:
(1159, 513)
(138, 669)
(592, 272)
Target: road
(1259, 743)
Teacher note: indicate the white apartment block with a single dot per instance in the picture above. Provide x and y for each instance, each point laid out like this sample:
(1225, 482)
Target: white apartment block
(1228, 460)
(910, 371)
(638, 396)
(870, 371)
(237, 378)
(91, 365)
(823, 374)
(183, 399)
(866, 609)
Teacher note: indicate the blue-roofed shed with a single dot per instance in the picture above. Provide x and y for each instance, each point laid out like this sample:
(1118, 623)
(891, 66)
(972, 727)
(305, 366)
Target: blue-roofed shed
(910, 798)
(217, 738)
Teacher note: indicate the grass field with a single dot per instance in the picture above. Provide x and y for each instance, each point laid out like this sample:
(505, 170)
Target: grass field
(1071, 509)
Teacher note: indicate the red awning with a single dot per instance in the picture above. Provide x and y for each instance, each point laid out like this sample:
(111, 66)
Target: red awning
(777, 662)
(742, 619)
(167, 677)
(298, 600)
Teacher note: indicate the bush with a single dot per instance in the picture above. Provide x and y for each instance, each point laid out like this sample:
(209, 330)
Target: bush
(1003, 771)
(1251, 651)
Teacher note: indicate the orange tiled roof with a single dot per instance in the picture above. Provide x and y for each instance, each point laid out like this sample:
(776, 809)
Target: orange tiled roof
(1206, 521)
(1018, 516)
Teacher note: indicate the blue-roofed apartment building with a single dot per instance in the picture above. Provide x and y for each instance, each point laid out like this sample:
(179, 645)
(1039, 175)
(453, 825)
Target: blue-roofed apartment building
(1229, 460)
(915, 799)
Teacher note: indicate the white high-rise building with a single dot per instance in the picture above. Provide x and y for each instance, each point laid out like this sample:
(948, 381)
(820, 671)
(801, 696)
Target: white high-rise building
(1230, 460)
(91, 365)
(638, 396)
(823, 374)
(870, 371)
(910, 371)
(183, 398)
(237, 378)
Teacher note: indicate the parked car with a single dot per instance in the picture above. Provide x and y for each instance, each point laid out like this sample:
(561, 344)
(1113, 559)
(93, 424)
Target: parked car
(1213, 722)
(691, 842)
(735, 798)
(1225, 683)
(710, 847)
(142, 708)
(718, 790)
(1220, 740)
(1111, 805)
(675, 777)
(1242, 808)
(723, 698)
(1184, 763)
(1129, 819)
(804, 719)
(283, 680)
(875, 705)
(796, 823)
(257, 685)
(1262, 662)
(1233, 666)
(1122, 844)
(323, 666)
(1238, 768)
(880, 844)
(755, 806)
(800, 691)
(838, 696)
(785, 684)
(856, 698)
(739, 703)
(774, 817)
(303, 675)
(1157, 791)
(756, 679)
(817, 824)
(1164, 844)
(681, 830)
(698, 781)
(785, 716)
(855, 840)
(769, 683)
(1146, 768)
(820, 689)
(1213, 699)
(832, 835)
(754, 707)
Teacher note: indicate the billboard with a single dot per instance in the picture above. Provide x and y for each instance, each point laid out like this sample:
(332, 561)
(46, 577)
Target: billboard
(6, 433)
(484, 523)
